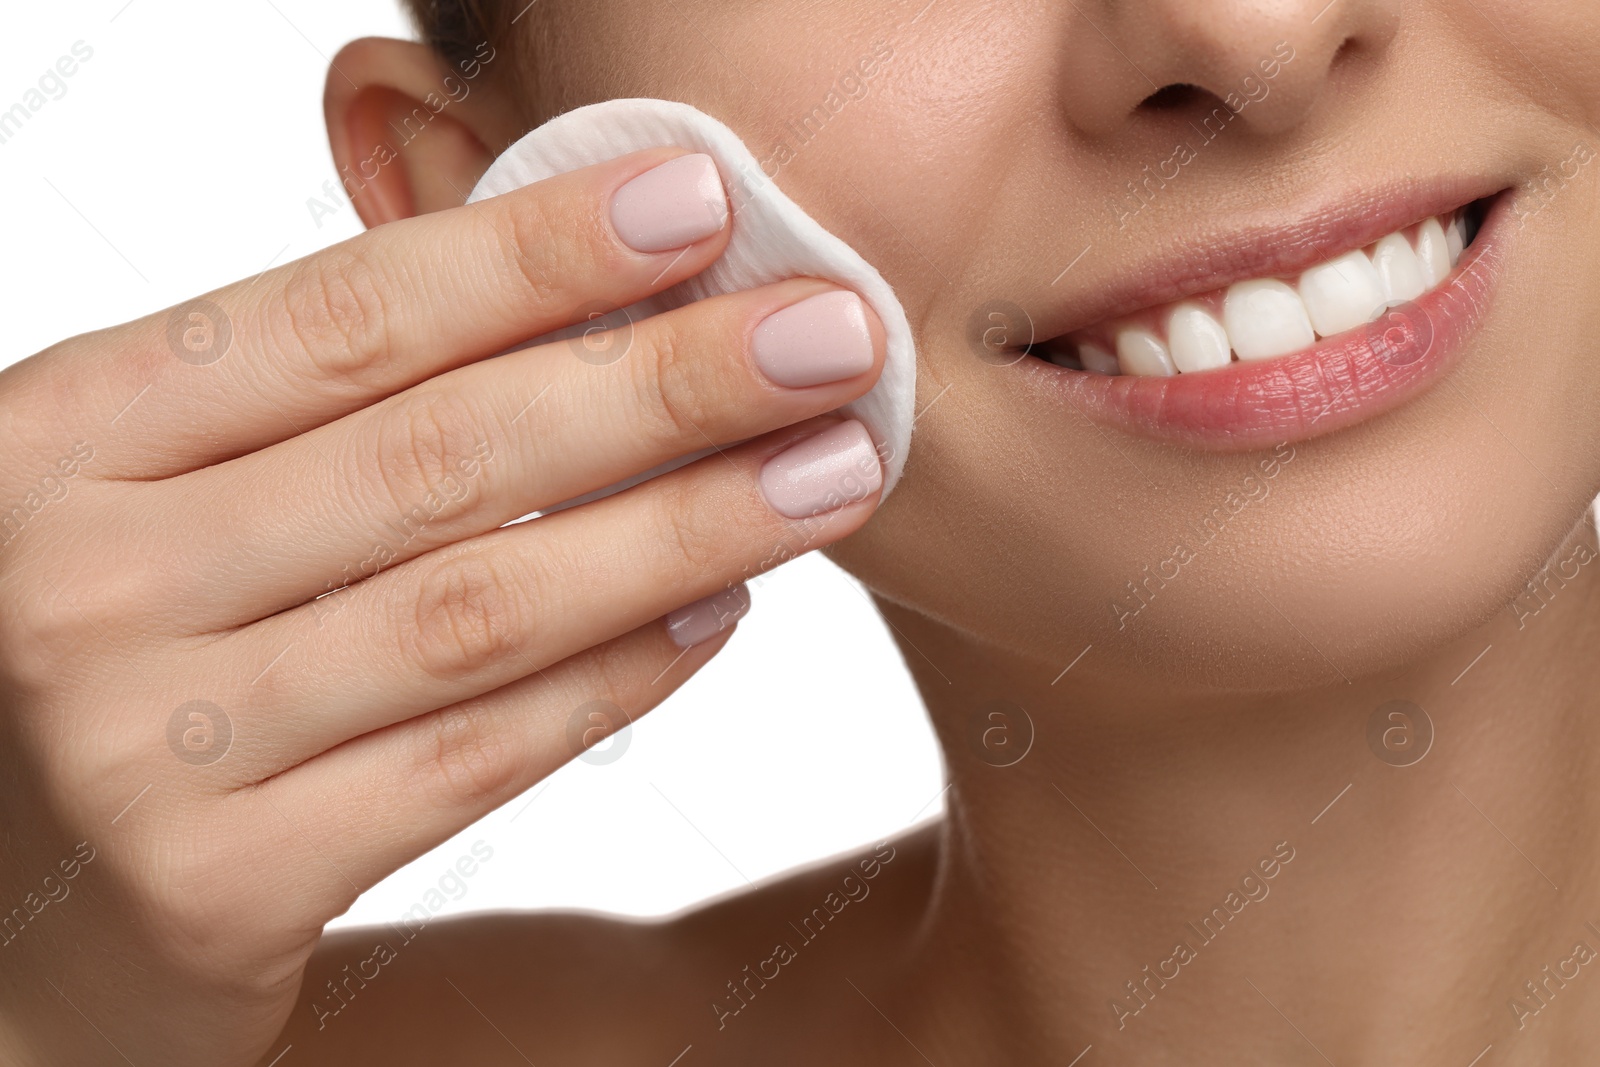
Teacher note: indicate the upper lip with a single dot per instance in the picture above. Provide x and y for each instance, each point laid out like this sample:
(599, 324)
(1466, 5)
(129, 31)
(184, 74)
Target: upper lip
(1213, 258)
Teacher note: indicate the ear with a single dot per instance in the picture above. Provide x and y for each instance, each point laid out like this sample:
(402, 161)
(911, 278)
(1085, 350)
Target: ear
(409, 131)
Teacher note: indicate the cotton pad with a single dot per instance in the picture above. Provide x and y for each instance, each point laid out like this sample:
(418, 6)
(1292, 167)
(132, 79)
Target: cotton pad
(772, 239)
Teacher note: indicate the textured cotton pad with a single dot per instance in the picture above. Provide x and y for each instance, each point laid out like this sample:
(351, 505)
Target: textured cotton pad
(773, 239)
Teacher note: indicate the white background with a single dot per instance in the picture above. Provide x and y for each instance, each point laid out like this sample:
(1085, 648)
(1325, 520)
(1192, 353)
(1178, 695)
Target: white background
(181, 157)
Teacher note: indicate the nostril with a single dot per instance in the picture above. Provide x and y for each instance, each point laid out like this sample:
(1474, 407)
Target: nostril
(1172, 97)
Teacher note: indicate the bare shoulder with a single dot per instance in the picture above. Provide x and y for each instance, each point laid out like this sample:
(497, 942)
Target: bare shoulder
(583, 988)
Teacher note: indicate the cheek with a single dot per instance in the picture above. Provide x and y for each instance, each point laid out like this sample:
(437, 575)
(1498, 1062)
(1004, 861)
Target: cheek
(1546, 46)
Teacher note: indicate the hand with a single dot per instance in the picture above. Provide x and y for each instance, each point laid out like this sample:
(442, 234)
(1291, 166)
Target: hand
(263, 636)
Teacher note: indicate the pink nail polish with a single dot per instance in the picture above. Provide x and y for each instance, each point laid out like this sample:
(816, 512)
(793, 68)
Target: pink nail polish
(708, 616)
(667, 207)
(823, 338)
(823, 472)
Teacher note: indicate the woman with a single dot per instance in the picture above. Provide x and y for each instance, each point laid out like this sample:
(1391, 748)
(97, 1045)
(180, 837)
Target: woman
(1245, 571)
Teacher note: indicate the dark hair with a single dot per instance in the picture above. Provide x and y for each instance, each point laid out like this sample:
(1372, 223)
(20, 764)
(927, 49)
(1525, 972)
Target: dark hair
(458, 30)
(455, 28)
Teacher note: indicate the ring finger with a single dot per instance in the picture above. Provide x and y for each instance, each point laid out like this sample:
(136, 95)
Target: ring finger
(478, 614)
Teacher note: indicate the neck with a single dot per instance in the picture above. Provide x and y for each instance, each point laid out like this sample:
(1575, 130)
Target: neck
(1294, 878)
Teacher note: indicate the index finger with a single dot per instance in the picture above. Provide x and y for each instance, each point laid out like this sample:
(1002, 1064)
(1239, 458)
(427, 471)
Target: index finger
(329, 334)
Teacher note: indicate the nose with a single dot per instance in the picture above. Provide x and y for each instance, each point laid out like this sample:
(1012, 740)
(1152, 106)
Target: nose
(1268, 61)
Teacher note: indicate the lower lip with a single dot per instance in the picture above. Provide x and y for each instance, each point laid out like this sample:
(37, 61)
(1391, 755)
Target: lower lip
(1337, 383)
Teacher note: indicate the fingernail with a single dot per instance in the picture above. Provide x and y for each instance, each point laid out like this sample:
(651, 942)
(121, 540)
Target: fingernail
(823, 472)
(708, 616)
(670, 206)
(821, 339)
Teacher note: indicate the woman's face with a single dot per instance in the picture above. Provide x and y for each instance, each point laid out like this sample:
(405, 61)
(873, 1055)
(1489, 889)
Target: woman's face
(1003, 165)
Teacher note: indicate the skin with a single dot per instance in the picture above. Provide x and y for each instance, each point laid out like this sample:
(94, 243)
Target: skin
(1225, 729)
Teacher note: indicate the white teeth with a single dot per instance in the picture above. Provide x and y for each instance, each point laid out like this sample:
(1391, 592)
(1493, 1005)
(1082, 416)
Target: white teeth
(1342, 293)
(1432, 252)
(1455, 239)
(1141, 352)
(1198, 340)
(1399, 270)
(1264, 319)
(1097, 360)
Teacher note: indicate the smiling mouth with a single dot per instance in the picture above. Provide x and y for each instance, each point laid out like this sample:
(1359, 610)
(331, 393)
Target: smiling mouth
(1269, 318)
(1312, 343)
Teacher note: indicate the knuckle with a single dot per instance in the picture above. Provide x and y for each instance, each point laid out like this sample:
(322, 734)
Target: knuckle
(672, 403)
(466, 759)
(615, 671)
(47, 632)
(539, 253)
(469, 615)
(425, 446)
(700, 543)
(333, 307)
(33, 408)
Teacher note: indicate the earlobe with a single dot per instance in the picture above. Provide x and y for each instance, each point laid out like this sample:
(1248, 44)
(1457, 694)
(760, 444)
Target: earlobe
(409, 133)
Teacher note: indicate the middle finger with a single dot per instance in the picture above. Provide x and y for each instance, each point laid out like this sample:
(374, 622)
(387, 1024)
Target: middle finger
(480, 446)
